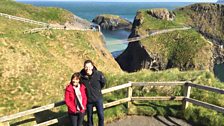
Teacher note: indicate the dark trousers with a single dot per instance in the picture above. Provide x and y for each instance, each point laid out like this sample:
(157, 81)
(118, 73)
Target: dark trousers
(76, 118)
(99, 109)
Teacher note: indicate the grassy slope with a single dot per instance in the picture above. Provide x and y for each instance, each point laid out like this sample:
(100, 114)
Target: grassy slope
(49, 14)
(176, 45)
(151, 23)
(207, 18)
(182, 47)
(36, 67)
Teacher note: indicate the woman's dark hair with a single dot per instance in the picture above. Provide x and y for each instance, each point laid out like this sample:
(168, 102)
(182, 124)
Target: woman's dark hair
(77, 74)
(88, 61)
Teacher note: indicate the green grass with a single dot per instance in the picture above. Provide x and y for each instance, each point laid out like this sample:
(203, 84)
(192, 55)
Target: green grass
(203, 116)
(207, 18)
(171, 108)
(182, 17)
(152, 23)
(110, 16)
(44, 14)
(175, 46)
(37, 67)
(168, 108)
(114, 17)
(208, 22)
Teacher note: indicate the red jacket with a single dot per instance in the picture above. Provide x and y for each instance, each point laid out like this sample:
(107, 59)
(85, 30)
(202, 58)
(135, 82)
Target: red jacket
(70, 98)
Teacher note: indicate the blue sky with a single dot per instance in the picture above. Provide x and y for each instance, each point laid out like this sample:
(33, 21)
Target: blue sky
(131, 0)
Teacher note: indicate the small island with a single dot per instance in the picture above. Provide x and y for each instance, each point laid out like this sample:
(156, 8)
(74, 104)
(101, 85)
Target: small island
(112, 22)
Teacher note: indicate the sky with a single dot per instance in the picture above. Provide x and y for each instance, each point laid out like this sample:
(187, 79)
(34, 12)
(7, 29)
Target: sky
(131, 0)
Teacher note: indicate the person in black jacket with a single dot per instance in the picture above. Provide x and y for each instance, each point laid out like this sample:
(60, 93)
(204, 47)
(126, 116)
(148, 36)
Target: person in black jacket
(94, 81)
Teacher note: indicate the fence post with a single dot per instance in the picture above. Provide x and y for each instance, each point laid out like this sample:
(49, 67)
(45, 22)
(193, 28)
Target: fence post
(129, 96)
(187, 91)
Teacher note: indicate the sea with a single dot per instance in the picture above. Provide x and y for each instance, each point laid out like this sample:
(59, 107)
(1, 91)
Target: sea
(127, 10)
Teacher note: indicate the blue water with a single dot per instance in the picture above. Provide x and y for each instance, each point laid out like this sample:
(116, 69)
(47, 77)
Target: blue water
(219, 71)
(89, 10)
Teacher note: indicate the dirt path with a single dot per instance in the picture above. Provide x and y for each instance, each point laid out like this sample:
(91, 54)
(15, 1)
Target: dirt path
(149, 121)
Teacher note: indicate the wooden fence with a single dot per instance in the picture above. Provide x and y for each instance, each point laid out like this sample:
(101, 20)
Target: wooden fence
(47, 26)
(185, 99)
(24, 20)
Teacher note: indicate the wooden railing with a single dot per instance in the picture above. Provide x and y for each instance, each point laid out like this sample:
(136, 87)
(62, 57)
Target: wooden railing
(24, 19)
(186, 99)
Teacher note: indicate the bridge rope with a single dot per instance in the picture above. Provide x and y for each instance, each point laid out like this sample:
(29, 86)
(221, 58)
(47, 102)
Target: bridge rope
(134, 39)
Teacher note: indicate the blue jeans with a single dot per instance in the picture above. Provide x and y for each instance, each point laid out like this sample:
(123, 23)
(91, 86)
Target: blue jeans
(76, 119)
(99, 109)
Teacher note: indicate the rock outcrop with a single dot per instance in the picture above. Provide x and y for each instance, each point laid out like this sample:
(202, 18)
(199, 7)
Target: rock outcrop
(112, 22)
(163, 14)
(199, 48)
(136, 58)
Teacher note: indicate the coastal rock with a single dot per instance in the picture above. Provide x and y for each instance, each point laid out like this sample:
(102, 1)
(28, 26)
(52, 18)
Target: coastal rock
(208, 19)
(184, 49)
(162, 13)
(135, 57)
(112, 22)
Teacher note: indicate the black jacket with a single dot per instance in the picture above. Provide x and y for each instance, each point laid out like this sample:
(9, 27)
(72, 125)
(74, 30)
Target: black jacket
(94, 83)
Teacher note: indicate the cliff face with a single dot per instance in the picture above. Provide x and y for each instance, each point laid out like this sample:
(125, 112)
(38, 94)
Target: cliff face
(137, 56)
(187, 49)
(208, 19)
(112, 22)
(163, 14)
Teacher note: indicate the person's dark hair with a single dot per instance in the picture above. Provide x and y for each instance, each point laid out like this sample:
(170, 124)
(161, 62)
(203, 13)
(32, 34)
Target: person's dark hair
(88, 61)
(77, 74)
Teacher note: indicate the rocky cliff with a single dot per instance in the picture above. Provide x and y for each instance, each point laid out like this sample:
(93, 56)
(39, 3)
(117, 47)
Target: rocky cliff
(163, 14)
(189, 49)
(112, 22)
(208, 19)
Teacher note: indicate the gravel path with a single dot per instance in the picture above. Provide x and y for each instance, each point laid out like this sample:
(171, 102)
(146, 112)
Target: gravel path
(149, 121)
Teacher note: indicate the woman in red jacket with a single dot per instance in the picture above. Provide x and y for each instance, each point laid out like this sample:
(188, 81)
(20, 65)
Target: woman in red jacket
(76, 100)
